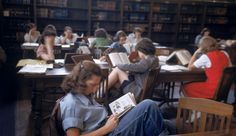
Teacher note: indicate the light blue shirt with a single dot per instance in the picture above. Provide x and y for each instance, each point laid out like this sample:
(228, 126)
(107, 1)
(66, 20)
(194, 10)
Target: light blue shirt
(82, 112)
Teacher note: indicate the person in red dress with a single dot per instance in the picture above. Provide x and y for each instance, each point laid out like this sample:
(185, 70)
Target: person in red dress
(213, 61)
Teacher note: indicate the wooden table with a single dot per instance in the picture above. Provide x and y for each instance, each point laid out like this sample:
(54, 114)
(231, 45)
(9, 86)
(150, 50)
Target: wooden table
(55, 76)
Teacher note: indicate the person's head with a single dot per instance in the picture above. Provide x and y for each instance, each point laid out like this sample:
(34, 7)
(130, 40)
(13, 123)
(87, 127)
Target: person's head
(84, 78)
(100, 33)
(51, 28)
(205, 32)
(138, 32)
(68, 31)
(208, 43)
(47, 37)
(120, 37)
(145, 47)
(31, 27)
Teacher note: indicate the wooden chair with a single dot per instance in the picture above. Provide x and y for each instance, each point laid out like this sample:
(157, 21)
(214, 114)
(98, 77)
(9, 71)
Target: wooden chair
(101, 95)
(78, 58)
(213, 116)
(227, 78)
(226, 81)
(149, 84)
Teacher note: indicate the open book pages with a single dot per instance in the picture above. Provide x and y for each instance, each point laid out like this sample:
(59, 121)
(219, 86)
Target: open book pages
(35, 69)
(99, 62)
(123, 104)
(118, 58)
(174, 68)
(83, 50)
(30, 44)
(24, 62)
(162, 59)
(183, 56)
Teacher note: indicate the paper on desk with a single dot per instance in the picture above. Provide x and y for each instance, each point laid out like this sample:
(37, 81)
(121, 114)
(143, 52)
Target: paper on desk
(30, 44)
(174, 68)
(65, 46)
(35, 69)
(24, 62)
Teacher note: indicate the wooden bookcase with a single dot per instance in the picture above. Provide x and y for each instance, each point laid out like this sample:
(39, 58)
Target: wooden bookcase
(174, 23)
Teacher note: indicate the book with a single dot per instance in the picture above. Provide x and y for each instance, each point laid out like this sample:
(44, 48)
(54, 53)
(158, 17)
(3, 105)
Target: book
(180, 56)
(35, 69)
(117, 58)
(174, 68)
(24, 62)
(123, 104)
(83, 50)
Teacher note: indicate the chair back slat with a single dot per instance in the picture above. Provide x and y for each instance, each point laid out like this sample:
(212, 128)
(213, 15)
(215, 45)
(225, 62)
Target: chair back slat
(202, 115)
(228, 76)
(149, 83)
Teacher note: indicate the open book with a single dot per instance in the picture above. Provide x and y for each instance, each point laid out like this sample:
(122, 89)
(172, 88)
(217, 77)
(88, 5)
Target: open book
(181, 56)
(118, 58)
(123, 104)
(30, 44)
(24, 62)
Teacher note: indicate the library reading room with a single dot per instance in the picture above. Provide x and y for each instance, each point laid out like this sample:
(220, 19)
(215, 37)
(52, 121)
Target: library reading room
(118, 67)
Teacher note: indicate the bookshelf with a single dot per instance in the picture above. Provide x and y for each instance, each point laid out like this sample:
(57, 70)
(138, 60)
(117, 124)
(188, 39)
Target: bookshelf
(61, 13)
(136, 14)
(190, 22)
(164, 23)
(15, 15)
(170, 23)
(105, 14)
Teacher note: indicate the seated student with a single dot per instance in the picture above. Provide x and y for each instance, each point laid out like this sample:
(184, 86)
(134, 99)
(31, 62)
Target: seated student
(132, 76)
(68, 36)
(53, 28)
(135, 37)
(82, 115)
(213, 61)
(47, 41)
(204, 32)
(101, 38)
(32, 35)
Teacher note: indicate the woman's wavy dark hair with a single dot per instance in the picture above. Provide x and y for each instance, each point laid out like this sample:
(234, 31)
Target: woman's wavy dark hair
(100, 33)
(45, 33)
(82, 72)
(119, 34)
(146, 46)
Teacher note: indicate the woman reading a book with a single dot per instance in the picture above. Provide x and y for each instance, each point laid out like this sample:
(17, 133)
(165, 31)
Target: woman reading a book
(82, 115)
(68, 36)
(213, 61)
(47, 41)
(32, 35)
(131, 76)
(102, 38)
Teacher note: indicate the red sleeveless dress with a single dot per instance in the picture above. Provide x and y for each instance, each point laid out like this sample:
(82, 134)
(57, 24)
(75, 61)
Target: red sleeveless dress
(207, 89)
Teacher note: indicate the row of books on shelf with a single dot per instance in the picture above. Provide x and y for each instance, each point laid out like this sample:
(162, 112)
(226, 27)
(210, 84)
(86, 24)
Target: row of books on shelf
(216, 20)
(17, 1)
(163, 28)
(107, 25)
(192, 9)
(105, 16)
(136, 16)
(163, 18)
(61, 3)
(52, 13)
(18, 24)
(186, 38)
(189, 28)
(16, 12)
(217, 11)
(164, 8)
(136, 7)
(129, 26)
(189, 19)
(105, 5)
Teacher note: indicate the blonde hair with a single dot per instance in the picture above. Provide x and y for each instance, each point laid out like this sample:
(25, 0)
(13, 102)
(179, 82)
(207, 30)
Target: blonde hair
(208, 44)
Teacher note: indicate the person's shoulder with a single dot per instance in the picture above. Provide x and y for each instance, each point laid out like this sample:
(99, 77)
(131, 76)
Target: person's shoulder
(114, 45)
(68, 101)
